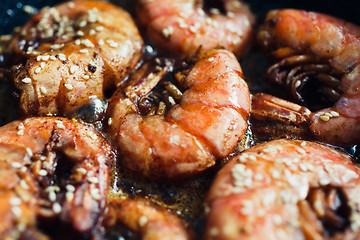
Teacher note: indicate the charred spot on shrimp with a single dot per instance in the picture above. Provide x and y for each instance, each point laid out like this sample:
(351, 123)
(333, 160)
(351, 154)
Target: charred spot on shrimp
(325, 212)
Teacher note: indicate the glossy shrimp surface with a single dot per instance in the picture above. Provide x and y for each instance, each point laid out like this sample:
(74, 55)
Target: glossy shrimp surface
(205, 123)
(150, 221)
(285, 189)
(51, 168)
(326, 48)
(182, 27)
(73, 52)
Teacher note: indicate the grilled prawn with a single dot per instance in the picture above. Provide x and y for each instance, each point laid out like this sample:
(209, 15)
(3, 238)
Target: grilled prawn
(285, 189)
(74, 52)
(51, 168)
(150, 221)
(182, 27)
(318, 47)
(185, 126)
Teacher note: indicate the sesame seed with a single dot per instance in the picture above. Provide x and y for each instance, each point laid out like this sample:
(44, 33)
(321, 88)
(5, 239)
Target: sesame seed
(77, 42)
(26, 80)
(80, 33)
(84, 51)
(43, 89)
(95, 193)
(62, 57)
(214, 11)
(60, 126)
(69, 196)
(324, 181)
(39, 58)
(230, 14)
(86, 77)
(56, 208)
(30, 9)
(92, 32)
(92, 135)
(99, 28)
(72, 69)
(37, 70)
(52, 189)
(71, 5)
(200, 12)
(68, 86)
(52, 58)
(52, 196)
(101, 42)
(301, 151)
(20, 132)
(109, 121)
(87, 43)
(83, 23)
(15, 201)
(113, 44)
(334, 114)
(70, 188)
(23, 184)
(16, 165)
(143, 221)
(324, 118)
(42, 64)
(43, 172)
(168, 31)
(93, 179)
(303, 144)
(193, 29)
(81, 170)
(16, 211)
(211, 59)
(45, 57)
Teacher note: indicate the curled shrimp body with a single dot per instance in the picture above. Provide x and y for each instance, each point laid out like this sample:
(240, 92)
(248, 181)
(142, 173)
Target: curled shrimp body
(285, 189)
(203, 122)
(150, 221)
(74, 51)
(51, 168)
(321, 49)
(182, 27)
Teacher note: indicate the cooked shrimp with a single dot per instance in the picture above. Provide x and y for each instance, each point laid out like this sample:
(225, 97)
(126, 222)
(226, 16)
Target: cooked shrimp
(52, 168)
(317, 46)
(182, 27)
(285, 189)
(150, 221)
(74, 51)
(188, 129)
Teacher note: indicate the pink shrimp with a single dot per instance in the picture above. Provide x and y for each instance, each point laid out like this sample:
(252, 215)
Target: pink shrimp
(285, 189)
(182, 27)
(73, 52)
(317, 46)
(151, 221)
(200, 124)
(52, 168)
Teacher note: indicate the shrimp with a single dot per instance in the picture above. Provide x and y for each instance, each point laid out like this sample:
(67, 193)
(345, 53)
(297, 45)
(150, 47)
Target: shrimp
(318, 47)
(52, 168)
(152, 222)
(74, 52)
(182, 27)
(285, 189)
(187, 130)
